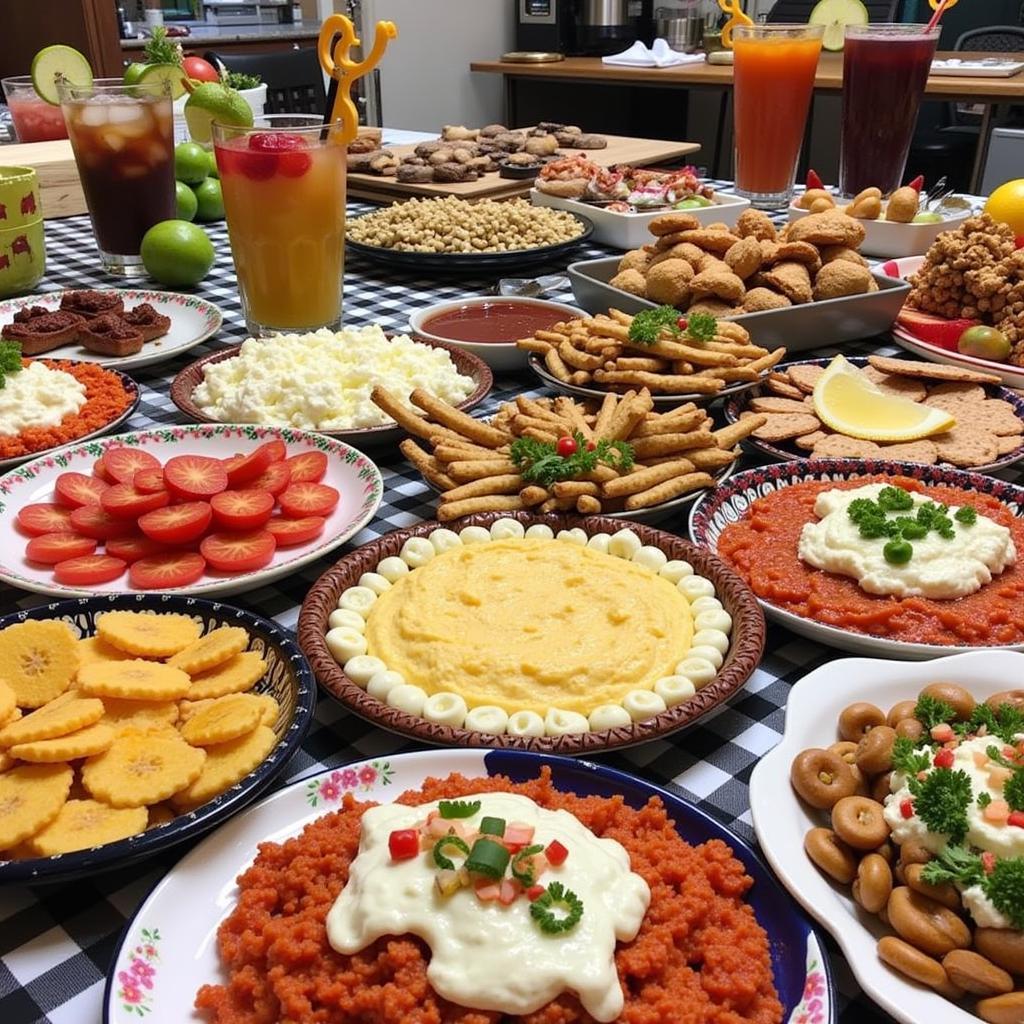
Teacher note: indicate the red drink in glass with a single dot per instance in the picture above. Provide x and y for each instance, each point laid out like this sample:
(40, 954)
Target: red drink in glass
(34, 119)
(885, 68)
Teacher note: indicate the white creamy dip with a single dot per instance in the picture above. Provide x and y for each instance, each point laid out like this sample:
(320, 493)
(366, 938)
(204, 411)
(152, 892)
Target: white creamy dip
(938, 569)
(485, 955)
(38, 397)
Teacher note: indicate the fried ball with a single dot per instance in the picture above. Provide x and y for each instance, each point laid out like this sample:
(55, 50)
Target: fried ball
(715, 307)
(792, 279)
(744, 258)
(840, 277)
(635, 259)
(902, 205)
(759, 299)
(829, 228)
(682, 251)
(631, 281)
(755, 224)
(671, 223)
(669, 282)
(723, 285)
(841, 252)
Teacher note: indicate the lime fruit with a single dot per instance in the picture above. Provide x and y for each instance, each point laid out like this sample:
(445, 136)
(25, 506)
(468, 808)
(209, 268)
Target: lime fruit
(60, 61)
(211, 102)
(177, 253)
(186, 201)
(210, 200)
(1006, 205)
(190, 163)
(133, 72)
(984, 343)
(928, 217)
(835, 15)
(173, 75)
(212, 157)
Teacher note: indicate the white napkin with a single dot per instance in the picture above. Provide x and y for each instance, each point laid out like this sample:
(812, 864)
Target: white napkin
(660, 55)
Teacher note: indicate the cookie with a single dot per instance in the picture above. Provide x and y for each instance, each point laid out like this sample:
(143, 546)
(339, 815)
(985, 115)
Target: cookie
(147, 634)
(931, 371)
(808, 441)
(966, 445)
(39, 660)
(83, 824)
(779, 384)
(964, 391)
(140, 769)
(1006, 443)
(839, 446)
(31, 796)
(785, 425)
(998, 416)
(912, 451)
(769, 403)
(805, 377)
(211, 650)
(239, 673)
(898, 387)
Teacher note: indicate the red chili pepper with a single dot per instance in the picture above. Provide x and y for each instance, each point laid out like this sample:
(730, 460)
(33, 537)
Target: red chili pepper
(1016, 818)
(556, 853)
(907, 808)
(942, 733)
(566, 446)
(944, 758)
(988, 862)
(814, 179)
(534, 892)
(404, 843)
(917, 184)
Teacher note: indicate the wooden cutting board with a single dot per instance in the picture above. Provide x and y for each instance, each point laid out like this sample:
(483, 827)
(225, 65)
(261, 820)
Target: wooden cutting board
(620, 150)
(60, 191)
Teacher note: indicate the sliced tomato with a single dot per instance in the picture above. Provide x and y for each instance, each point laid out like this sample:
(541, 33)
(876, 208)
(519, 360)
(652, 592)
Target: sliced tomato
(177, 524)
(239, 552)
(123, 463)
(289, 532)
(88, 570)
(125, 502)
(44, 518)
(77, 489)
(99, 469)
(242, 510)
(242, 469)
(307, 467)
(162, 572)
(96, 522)
(131, 549)
(300, 500)
(149, 481)
(195, 477)
(56, 547)
(275, 480)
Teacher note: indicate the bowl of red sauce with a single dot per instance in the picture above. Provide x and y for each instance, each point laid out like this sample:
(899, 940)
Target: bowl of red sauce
(489, 325)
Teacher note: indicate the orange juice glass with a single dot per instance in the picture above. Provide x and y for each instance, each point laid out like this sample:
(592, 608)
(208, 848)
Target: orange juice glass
(283, 182)
(773, 79)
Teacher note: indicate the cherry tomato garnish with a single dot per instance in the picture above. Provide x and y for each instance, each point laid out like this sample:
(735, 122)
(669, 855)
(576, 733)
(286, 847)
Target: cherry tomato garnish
(566, 446)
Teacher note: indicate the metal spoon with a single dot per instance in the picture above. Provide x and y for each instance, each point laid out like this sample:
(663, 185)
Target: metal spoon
(531, 287)
(934, 192)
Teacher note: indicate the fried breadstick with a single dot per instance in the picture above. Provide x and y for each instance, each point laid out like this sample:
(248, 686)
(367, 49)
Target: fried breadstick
(450, 510)
(574, 414)
(736, 349)
(619, 317)
(442, 412)
(636, 363)
(665, 444)
(535, 409)
(556, 366)
(547, 436)
(555, 337)
(651, 427)
(668, 490)
(533, 345)
(712, 458)
(533, 495)
(426, 464)
(672, 383)
(462, 451)
(464, 471)
(572, 356)
(574, 488)
(734, 373)
(556, 427)
(628, 413)
(588, 505)
(604, 415)
(509, 483)
(644, 479)
(729, 435)
(408, 420)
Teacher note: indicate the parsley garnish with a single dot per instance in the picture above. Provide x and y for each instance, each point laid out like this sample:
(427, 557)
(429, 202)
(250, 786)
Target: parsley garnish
(240, 80)
(160, 50)
(930, 711)
(648, 325)
(966, 515)
(10, 360)
(701, 326)
(540, 463)
(1006, 722)
(941, 801)
(953, 864)
(1004, 885)
(907, 760)
(557, 896)
(984, 799)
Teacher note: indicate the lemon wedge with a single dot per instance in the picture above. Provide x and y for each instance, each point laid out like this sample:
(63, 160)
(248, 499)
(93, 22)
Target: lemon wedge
(850, 403)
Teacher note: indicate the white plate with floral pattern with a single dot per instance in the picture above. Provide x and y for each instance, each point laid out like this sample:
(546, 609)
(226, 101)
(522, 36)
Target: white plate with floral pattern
(193, 320)
(170, 948)
(781, 820)
(349, 471)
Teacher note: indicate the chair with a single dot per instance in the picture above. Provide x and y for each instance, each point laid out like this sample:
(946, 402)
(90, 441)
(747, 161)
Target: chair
(799, 11)
(295, 83)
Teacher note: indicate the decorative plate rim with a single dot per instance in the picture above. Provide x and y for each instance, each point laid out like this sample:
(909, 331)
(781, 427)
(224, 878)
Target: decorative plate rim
(744, 655)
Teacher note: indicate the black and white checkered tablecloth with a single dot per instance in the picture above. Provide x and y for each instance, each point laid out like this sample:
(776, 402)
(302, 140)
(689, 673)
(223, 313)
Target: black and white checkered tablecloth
(57, 941)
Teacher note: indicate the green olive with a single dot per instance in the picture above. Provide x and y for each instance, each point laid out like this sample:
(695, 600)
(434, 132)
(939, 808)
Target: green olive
(984, 343)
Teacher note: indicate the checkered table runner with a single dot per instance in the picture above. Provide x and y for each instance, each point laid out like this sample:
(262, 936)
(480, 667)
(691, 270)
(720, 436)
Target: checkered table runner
(56, 942)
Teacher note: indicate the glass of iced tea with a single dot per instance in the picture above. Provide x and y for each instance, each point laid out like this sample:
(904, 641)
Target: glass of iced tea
(123, 140)
(34, 119)
(283, 182)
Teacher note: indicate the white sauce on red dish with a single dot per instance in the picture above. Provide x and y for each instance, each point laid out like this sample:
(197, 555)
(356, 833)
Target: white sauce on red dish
(38, 396)
(486, 955)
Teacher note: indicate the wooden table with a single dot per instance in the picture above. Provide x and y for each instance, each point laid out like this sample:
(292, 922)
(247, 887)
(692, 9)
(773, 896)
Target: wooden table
(988, 92)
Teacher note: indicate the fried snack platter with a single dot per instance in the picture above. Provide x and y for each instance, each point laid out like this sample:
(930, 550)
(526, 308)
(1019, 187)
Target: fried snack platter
(782, 820)
(133, 723)
(593, 356)
(560, 455)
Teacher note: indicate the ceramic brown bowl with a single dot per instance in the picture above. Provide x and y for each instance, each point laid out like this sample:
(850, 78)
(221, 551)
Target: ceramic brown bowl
(743, 656)
(185, 383)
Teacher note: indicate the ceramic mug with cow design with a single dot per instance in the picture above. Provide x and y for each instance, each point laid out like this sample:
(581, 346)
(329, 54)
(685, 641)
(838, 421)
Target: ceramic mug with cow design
(22, 248)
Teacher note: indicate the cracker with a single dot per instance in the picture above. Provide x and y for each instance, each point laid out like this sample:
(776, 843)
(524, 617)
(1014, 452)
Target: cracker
(270, 709)
(6, 761)
(808, 441)
(966, 445)
(188, 708)
(31, 796)
(237, 674)
(912, 451)
(8, 702)
(147, 634)
(134, 680)
(781, 426)
(778, 383)
(997, 416)
(139, 769)
(964, 391)
(770, 403)
(839, 446)
(58, 718)
(83, 824)
(93, 739)
(38, 660)
(225, 719)
(211, 650)
(900, 387)
(159, 814)
(92, 649)
(804, 377)
(226, 764)
(121, 714)
(1007, 443)
(931, 371)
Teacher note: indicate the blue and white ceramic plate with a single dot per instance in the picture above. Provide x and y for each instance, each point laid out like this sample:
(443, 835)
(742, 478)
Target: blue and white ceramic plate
(169, 950)
(288, 679)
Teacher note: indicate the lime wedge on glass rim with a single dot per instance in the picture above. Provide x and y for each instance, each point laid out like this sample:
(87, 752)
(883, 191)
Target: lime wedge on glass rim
(211, 102)
(170, 73)
(59, 61)
(835, 15)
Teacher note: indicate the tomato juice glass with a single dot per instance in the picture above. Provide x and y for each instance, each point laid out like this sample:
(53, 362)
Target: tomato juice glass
(34, 119)
(773, 79)
(283, 182)
(885, 68)
(123, 140)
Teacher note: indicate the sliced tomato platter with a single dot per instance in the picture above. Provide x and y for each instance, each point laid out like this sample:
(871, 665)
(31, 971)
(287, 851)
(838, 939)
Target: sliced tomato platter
(203, 509)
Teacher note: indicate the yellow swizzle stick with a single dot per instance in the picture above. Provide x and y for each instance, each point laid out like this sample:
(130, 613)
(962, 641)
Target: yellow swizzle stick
(336, 63)
(734, 9)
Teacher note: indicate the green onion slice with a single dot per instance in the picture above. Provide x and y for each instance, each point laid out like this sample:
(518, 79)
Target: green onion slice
(458, 808)
(525, 872)
(557, 896)
(443, 862)
(492, 826)
(488, 858)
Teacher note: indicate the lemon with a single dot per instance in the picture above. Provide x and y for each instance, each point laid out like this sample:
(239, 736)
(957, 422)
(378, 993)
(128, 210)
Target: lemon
(850, 403)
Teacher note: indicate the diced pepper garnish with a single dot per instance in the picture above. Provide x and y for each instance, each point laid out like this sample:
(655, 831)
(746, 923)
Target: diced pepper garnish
(534, 891)
(556, 853)
(524, 868)
(980, 758)
(404, 843)
(998, 776)
(510, 890)
(907, 808)
(942, 733)
(492, 826)
(997, 812)
(1016, 818)
(988, 862)
(448, 882)
(489, 892)
(488, 858)
(443, 862)
(518, 834)
(944, 758)
(458, 808)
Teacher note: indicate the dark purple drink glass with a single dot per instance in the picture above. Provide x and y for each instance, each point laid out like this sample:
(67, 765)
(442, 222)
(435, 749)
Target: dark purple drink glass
(885, 68)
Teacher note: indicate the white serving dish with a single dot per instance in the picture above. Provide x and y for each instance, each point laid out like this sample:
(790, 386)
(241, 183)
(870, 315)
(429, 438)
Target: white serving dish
(631, 230)
(781, 819)
(890, 240)
(503, 357)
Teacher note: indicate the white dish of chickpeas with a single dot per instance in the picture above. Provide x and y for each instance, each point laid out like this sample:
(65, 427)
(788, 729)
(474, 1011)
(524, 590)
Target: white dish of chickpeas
(852, 810)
